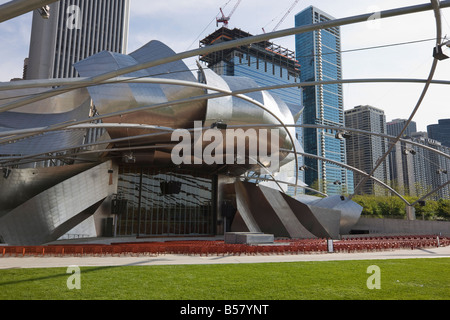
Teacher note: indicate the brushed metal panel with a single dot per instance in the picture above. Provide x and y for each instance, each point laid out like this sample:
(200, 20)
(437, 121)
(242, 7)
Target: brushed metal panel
(285, 213)
(244, 212)
(350, 210)
(36, 221)
(329, 219)
(47, 141)
(65, 102)
(313, 219)
(347, 210)
(24, 184)
(237, 111)
(118, 96)
(124, 96)
(260, 210)
(219, 108)
(178, 70)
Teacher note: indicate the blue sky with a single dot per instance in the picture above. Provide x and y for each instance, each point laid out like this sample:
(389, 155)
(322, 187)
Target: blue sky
(181, 24)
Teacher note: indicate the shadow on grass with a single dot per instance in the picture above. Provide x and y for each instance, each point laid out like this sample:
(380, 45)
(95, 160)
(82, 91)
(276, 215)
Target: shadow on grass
(53, 276)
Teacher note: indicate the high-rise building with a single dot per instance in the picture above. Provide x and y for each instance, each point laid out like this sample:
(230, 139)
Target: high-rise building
(417, 170)
(401, 159)
(402, 168)
(74, 31)
(396, 126)
(265, 63)
(363, 150)
(319, 55)
(431, 168)
(440, 132)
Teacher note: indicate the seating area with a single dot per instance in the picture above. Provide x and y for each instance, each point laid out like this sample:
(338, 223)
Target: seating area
(206, 248)
(390, 243)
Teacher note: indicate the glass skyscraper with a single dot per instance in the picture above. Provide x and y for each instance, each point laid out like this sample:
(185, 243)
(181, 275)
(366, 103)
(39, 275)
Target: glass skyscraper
(319, 55)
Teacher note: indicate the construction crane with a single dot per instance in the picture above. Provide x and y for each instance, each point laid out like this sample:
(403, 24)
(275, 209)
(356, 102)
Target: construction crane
(224, 19)
(284, 17)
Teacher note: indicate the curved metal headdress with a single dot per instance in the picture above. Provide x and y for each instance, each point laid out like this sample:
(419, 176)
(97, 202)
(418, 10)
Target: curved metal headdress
(257, 108)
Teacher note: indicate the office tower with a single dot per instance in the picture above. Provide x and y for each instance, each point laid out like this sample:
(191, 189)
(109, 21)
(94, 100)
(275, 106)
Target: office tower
(402, 168)
(440, 132)
(431, 168)
(401, 159)
(319, 55)
(265, 63)
(363, 150)
(74, 31)
(396, 126)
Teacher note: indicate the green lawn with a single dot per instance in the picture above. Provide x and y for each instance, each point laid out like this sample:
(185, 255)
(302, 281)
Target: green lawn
(417, 279)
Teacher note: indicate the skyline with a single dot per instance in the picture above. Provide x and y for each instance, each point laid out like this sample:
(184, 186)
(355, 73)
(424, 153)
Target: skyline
(181, 25)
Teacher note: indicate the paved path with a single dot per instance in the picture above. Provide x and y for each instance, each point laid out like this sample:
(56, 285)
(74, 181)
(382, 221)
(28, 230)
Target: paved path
(169, 259)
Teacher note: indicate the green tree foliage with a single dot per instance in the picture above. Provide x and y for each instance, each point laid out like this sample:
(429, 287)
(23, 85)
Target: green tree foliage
(443, 209)
(392, 206)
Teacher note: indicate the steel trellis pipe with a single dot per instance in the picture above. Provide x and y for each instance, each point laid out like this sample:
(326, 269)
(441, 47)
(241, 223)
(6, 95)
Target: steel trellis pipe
(346, 166)
(436, 8)
(221, 92)
(16, 8)
(229, 45)
(37, 157)
(32, 84)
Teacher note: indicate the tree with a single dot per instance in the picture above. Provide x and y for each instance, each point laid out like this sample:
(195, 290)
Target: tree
(443, 209)
(391, 206)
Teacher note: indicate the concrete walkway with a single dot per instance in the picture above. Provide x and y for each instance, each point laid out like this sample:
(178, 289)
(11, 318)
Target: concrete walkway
(169, 259)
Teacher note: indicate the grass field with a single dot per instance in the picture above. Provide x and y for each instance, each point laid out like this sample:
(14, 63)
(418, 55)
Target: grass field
(412, 279)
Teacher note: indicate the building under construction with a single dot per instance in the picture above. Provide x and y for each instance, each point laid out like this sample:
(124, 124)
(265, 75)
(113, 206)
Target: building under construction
(266, 57)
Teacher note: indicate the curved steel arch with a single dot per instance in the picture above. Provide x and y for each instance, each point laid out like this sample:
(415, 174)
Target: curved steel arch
(37, 157)
(193, 99)
(228, 45)
(358, 131)
(346, 166)
(165, 129)
(34, 131)
(17, 8)
(287, 183)
(86, 82)
(435, 6)
(143, 126)
(222, 91)
(417, 144)
(101, 125)
(30, 84)
(437, 14)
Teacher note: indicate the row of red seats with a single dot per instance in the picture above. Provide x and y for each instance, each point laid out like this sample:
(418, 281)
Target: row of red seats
(390, 243)
(289, 246)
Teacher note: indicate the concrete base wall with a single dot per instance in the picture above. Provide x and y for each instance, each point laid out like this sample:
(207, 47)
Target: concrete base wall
(402, 227)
